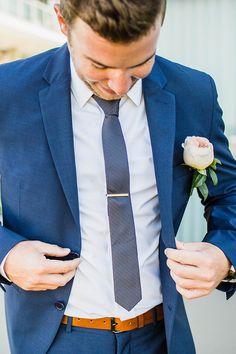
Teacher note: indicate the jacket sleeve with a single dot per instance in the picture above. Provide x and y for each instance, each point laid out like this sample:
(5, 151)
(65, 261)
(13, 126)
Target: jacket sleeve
(220, 206)
(8, 239)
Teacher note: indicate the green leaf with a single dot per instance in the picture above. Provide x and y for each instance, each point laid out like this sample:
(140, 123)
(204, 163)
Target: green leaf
(213, 166)
(202, 172)
(204, 191)
(213, 176)
(214, 163)
(218, 161)
(193, 182)
(199, 180)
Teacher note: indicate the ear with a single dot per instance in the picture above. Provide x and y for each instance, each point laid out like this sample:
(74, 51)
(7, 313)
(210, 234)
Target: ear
(62, 23)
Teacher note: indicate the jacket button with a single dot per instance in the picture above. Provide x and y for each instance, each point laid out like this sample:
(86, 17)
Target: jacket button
(59, 305)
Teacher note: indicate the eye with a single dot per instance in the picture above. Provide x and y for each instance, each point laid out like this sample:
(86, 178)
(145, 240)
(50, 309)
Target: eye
(148, 61)
(97, 66)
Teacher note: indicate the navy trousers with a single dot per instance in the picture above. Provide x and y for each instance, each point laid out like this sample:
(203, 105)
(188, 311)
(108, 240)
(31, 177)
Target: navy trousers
(75, 340)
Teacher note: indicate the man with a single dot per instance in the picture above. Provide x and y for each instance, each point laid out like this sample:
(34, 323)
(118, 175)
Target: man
(91, 162)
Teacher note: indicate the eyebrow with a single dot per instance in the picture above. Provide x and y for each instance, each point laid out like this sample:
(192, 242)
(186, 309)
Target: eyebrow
(113, 67)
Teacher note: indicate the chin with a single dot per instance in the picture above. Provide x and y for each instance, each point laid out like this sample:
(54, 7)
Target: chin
(105, 95)
(108, 97)
(102, 94)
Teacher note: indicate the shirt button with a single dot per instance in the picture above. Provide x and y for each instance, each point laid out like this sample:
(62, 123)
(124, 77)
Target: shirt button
(59, 305)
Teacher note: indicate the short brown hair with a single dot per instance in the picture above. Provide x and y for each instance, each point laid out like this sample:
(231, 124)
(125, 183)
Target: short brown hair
(115, 20)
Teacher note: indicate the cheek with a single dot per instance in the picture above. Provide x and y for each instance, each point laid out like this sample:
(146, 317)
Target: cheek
(91, 74)
(85, 70)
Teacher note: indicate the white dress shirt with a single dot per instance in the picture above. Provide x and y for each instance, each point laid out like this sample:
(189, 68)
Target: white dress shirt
(92, 294)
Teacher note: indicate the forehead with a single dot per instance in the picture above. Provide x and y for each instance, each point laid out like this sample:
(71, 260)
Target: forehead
(90, 44)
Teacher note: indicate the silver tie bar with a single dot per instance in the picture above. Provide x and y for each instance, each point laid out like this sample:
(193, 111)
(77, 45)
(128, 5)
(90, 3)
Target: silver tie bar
(118, 195)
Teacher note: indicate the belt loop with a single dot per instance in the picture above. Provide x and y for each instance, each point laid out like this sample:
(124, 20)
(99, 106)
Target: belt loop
(69, 324)
(154, 315)
(140, 321)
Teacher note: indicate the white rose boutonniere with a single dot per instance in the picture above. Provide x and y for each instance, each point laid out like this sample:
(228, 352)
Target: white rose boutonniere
(199, 155)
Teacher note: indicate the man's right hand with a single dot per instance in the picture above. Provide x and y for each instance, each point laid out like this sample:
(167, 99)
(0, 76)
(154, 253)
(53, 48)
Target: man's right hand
(27, 266)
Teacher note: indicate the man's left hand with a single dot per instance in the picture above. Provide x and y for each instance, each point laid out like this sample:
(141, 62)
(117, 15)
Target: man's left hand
(197, 268)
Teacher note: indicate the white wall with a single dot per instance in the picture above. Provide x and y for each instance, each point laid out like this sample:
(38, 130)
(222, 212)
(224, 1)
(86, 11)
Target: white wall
(202, 34)
(4, 348)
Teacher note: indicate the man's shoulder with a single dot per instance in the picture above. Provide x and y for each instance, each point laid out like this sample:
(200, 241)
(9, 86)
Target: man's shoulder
(171, 66)
(183, 79)
(173, 70)
(37, 58)
(25, 69)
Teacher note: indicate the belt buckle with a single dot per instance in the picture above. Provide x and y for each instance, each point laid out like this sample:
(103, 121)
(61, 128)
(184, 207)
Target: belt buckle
(113, 325)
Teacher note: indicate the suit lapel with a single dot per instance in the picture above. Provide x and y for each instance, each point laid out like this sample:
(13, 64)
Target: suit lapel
(161, 115)
(160, 108)
(55, 104)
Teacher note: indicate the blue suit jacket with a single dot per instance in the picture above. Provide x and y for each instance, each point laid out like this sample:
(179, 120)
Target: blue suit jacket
(39, 191)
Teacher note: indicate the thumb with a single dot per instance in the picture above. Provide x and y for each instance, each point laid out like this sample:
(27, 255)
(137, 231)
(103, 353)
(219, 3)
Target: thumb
(48, 249)
(179, 245)
(190, 246)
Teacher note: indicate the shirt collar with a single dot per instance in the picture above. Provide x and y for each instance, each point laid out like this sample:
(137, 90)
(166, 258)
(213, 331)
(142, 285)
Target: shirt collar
(79, 89)
(135, 93)
(83, 94)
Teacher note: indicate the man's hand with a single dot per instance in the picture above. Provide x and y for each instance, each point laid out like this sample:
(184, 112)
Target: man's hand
(197, 268)
(27, 266)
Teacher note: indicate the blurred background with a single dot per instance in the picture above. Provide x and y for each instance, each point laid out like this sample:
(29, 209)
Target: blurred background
(196, 33)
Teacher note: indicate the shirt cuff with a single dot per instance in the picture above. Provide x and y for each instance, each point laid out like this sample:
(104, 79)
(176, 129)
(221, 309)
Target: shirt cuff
(2, 272)
(229, 281)
(231, 278)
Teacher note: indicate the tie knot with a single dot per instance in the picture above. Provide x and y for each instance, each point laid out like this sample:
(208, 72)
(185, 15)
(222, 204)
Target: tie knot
(108, 107)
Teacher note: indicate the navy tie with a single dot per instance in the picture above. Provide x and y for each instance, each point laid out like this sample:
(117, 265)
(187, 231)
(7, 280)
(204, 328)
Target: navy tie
(126, 276)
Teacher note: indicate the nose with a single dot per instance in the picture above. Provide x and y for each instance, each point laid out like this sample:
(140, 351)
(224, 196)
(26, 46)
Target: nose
(120, 83)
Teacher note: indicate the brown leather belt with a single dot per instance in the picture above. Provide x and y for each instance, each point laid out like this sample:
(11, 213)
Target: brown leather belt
(115, 324)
